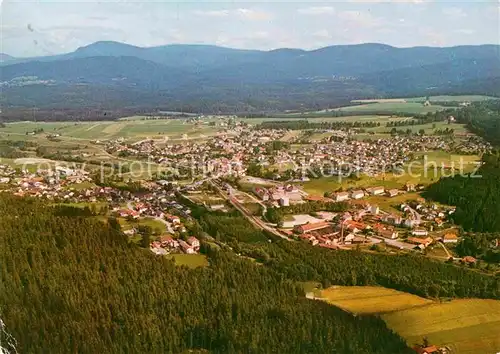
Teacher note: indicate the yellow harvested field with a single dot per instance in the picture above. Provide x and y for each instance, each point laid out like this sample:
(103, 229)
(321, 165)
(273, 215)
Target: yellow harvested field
(466, 326)
(371, 299)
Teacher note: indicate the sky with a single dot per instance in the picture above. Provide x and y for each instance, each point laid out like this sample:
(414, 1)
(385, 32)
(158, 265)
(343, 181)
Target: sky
(35, 28)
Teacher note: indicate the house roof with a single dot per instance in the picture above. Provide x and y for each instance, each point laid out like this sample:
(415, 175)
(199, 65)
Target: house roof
(419, 240)
(450, 236)
(427, 350)
(314, 226)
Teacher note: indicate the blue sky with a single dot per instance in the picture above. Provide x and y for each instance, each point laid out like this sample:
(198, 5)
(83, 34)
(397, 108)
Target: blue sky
(30, 28)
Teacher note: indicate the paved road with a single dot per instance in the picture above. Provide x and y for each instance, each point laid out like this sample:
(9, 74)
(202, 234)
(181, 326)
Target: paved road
(445, 249)
(254, 220)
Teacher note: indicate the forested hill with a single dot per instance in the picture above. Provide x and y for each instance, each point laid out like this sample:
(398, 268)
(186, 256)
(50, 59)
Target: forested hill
(71, 284)
(477, 196)
(200, 78)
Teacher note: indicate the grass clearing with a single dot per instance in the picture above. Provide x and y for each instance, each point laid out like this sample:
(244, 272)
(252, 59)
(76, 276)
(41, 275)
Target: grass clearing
(157, 227)
(189, 260)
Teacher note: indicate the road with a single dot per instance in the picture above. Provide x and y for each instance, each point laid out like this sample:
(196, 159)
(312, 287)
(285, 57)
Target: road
(254, 220)
(446, 250)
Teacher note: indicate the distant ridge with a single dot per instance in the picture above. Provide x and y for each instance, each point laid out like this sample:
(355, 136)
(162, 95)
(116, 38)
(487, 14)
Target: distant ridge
(5, 57)
(212, 78)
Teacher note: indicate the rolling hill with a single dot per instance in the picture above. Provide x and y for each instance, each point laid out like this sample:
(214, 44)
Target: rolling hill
(211, 78)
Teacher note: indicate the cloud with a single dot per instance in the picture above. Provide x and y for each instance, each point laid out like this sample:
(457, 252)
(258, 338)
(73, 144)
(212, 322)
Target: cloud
(317, 10)
(322, 34)
(254, 15)
(454, 12)
(248, 14)
(416, 2)
(213, 13)
(360, 19)
(465, 31)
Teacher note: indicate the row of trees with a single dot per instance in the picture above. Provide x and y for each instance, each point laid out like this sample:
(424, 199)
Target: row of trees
(304, 124)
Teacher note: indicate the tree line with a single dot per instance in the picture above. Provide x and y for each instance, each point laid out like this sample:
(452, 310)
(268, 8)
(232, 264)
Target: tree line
(304, 124)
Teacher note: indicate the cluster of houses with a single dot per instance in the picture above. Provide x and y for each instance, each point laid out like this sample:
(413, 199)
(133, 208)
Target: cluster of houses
(226, 153)
(54, 183)
(281, 195)
(356, 194)
(167, 244)
(365, 223)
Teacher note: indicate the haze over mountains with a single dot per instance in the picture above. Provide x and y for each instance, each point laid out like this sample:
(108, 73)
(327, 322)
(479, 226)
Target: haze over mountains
(209, 78)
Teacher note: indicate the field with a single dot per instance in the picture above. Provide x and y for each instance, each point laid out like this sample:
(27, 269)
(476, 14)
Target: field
(371, 299)
(460, 98)
(413, 105)
(419, 171)
(189, 260)
(395, 107)
(128, 129)
(466, 326)
(331, 184)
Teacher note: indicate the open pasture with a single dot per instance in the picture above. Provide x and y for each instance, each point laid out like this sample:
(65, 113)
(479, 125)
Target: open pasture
(128, 129)
(466, 326)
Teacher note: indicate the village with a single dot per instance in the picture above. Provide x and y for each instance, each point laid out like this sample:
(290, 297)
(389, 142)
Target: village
(243, 153)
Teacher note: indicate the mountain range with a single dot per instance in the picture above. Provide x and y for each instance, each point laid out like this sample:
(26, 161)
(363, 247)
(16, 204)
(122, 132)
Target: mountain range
(208, 78)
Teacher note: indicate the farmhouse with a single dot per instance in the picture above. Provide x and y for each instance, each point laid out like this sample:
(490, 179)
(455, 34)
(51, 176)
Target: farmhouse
(284, 201)
(341, 197)
(432, 349)
(450, 238)
(261, 193)
(357, 194)
(302, 229)
(376, 190)
(354, 226)
(419, 232)
(392, 192)
(386, 232)
(420, 241)
(186, 247)
(469, 259)
(173, 219)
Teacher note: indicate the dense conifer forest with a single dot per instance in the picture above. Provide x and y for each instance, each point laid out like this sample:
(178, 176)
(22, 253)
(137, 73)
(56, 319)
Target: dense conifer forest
(71, 285)
(477, 196)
